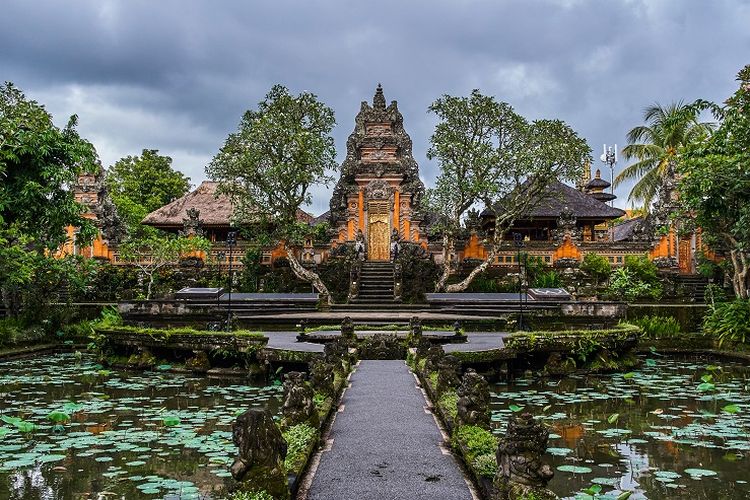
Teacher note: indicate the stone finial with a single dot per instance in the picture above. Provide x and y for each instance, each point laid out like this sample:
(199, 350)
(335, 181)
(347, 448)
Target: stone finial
(298, 405)
(448, 370)
(378, 101)
(521, 472)
(415, 329)
(262, 449)
(473, 400)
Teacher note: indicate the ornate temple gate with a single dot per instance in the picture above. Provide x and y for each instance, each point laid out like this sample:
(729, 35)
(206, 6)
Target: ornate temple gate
(378, 229)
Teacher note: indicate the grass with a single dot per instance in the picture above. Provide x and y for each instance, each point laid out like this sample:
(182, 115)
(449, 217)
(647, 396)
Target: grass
(301, 439)
(168, 332)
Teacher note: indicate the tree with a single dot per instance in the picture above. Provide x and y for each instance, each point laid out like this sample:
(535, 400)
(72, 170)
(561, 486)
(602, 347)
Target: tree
(656, 146)
(268, 166)
(155, 252)
(527, 158)
(141, 184)
(468, 143)
(597, 266)
(715, 185)
(38, 164)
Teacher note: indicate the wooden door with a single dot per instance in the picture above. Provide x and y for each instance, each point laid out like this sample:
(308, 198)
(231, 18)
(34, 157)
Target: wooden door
(686, 257)
(379, 234)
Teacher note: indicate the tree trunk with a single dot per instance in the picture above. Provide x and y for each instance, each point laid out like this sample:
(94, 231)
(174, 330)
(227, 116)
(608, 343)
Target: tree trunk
(150, 285)
(460, 287)
(741, 266)
(308, 275)
(448, 245)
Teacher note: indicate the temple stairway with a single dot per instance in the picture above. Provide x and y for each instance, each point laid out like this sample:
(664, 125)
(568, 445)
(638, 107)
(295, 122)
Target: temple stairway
(376, 282)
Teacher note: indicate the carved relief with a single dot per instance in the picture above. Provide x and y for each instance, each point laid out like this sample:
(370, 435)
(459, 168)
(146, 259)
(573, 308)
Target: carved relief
(378, 190)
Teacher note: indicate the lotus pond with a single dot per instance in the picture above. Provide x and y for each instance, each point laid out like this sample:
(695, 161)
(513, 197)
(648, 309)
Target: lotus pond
(675, 428)
(71, 429)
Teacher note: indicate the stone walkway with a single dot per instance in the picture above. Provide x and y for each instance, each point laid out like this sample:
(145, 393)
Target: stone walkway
(385, 445)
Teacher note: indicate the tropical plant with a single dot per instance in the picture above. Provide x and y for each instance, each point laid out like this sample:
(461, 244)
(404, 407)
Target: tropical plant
(658, 327)
(715, 185)
(624, 283)
(268, 167)
(729, 321)
(656, 146)
(549, 279)
(597, 266)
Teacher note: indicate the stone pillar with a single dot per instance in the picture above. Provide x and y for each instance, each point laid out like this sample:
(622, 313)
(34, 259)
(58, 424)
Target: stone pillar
(361, 209)
(396, 211)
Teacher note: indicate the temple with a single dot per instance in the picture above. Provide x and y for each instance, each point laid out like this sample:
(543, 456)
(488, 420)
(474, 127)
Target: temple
(379, 191)
(377, 200)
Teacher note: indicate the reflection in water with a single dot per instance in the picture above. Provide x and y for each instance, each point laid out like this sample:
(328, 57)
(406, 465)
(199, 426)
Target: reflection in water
(121, 434)
(667, 430)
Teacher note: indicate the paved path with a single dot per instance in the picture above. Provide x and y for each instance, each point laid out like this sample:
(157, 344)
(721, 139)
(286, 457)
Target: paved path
(478, 341)
(288, 341)
(385, 446)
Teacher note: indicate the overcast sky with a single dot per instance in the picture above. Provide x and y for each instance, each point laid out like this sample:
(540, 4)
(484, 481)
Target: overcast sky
(177, 75)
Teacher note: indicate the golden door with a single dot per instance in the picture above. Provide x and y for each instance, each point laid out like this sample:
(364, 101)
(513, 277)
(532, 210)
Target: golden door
(379, 247)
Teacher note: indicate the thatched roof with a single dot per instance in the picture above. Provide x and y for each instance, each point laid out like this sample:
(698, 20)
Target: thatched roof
(215, 209)
(624, 230)
(559, 197)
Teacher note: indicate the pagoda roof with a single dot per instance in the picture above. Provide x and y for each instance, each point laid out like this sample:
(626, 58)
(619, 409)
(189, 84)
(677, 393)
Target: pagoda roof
(215, 209)
(559, 197)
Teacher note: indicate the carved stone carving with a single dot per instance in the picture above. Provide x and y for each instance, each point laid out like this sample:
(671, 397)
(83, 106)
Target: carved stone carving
(434, 355)
(378, 189)
(262, 450)
(347, 328)
(360, 245)
(448, 370)
(473, 400)
(321, 376)
(395, 245)
(382, 346)
(521, 472)
(298, 405)
(192, 225)
(415, 329)
(566, 226)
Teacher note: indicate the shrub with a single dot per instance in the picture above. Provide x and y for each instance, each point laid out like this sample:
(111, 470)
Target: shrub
(478, 441)
(729, 321)
(10, 330)
(299, 439)
(251, 495)
(597, 266)
(549, 279)
(658, 327)
(449, 403)
(485, 465)
(626, 284)
(641, 267)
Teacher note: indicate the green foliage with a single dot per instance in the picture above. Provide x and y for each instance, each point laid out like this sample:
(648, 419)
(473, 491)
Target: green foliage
(658, 327)
(597, 266)
(249, 279)
(300, 439)
(715, 184)
(418, 274)
(656, 147)
(549, 279)
(478, 441)
(38, 163)
(139, 185)
(251, 495)
(641, 267)
(449, 403)
(485, 465)
(729, 321)
(487, 284)
(625, 283)
(151, 253)
(165, 333)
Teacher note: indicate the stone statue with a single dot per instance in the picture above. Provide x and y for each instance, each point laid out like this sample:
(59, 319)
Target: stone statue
(298, 405)
(521, 472)
(360, 245)
(473, 400)
(395, 244)
(347, 328)
(415, 329)
(434, 355)
(321, 376)
(262, 449)
(448, 369)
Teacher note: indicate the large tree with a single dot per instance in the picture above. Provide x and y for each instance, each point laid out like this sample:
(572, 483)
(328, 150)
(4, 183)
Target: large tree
(279, 152)
(469, 141)
(39, 162)
(715, 184)
(656, 146)
(141, 184)
(492, 156)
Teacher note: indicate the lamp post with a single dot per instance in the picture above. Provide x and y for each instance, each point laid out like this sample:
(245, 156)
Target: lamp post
(231, 242)
(518, 240)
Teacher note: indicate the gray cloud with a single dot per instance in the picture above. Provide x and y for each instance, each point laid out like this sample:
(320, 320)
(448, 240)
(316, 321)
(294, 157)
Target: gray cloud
(177, 75)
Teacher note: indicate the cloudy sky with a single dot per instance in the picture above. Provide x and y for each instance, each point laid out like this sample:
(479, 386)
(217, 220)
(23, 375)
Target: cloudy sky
(177, 75)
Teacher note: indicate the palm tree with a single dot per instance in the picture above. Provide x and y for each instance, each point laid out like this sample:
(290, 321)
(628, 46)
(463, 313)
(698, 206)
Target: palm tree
(655, 146)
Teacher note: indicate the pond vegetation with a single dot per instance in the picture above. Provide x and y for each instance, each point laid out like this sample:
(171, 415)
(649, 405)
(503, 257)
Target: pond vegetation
(672, 429)
(71, 428)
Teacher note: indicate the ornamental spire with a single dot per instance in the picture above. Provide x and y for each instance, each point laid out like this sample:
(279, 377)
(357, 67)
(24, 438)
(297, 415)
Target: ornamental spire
(378, 102)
